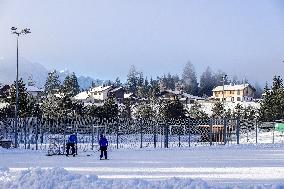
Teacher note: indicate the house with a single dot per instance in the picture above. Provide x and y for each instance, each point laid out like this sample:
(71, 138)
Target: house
(100, 93)
(117, 93)
(234, 93)
(83, 97)
(34, 91)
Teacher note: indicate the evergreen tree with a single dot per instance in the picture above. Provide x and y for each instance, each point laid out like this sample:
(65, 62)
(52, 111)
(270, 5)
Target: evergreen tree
(51, 107)
(52, 84)
(207, 83)
(132, 80)
(219, 78)
(172, 109)
(70, 85)
(110, 109)
(272, 106)
(125, 111)
(238, 111)
(117, 82)
(23, 98)
(196, 111)
(144, 111)
(217, 110)
(189, 79)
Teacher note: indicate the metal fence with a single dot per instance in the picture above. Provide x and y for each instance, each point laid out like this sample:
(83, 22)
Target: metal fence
(51, 134)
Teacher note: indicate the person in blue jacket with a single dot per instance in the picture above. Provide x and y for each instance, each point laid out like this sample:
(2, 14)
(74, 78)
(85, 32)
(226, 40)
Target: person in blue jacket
(72, 140)
(103, 146)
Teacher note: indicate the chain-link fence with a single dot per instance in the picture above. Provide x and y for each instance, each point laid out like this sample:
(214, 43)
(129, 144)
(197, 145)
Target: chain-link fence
(52, 134)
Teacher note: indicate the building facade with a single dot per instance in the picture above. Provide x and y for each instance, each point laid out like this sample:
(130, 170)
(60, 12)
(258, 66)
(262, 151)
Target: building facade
(234, 93)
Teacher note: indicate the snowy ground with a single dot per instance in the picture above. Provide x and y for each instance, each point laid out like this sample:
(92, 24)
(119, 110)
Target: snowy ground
(219, 166)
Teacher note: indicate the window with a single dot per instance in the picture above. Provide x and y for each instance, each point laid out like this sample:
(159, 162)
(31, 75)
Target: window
(231, 92)
(238, 98)
(239, 92)
(232, 99)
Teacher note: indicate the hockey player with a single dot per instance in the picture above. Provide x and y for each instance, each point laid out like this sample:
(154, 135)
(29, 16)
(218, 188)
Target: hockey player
(103, 146)
(72, 140)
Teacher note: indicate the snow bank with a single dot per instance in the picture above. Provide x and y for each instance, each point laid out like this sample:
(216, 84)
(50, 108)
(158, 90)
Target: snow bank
(59, 178)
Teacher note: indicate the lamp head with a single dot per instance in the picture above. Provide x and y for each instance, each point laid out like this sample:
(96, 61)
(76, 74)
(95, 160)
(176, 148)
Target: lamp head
(13, 28)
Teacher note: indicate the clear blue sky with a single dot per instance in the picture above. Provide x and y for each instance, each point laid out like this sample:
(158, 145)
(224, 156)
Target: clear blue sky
(103, 38)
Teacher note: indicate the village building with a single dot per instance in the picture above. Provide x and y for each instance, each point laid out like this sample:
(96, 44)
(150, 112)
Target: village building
(100, 93)
(234, 93)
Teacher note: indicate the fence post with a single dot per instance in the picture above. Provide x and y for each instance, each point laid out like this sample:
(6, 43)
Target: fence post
(256, 123)
(189, 131)
(166, 133)
(92, 135)
(141, 133)
(36, 133)
(117, 131)
(238, 131)
(155, 137)
(211, 131)
(225, 131)
(179, 131)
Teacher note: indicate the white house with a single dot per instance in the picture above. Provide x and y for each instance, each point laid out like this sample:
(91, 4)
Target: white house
(234, 93)
(100, 93)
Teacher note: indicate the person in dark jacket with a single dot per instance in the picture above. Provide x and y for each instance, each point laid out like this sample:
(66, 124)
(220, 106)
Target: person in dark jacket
(103, 146)
(72, 140)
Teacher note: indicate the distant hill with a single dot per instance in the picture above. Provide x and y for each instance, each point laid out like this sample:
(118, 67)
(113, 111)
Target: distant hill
(38, 72)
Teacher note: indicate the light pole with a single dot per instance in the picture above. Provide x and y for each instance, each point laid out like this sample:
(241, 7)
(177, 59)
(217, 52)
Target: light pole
(224, 131)
(223, 100)
(22, 32)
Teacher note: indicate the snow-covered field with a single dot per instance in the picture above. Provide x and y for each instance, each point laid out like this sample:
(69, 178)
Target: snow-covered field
(241, 166)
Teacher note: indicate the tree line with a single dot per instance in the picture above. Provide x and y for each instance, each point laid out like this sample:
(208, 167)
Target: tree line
(56, 99)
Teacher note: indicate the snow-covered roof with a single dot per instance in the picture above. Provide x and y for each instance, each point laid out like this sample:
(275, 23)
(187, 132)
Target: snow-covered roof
(192, 96)
(231, 87)
(82, 96)
(174, 92)
(128, 95)
(33, 89)
(115, 89)
(100, 89)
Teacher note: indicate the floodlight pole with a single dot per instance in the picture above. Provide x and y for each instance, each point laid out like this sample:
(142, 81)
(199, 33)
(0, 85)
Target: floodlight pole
(14, 31)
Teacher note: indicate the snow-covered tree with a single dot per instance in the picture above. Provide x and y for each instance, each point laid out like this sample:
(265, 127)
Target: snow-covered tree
(70, 85)
(196, 111)
(207, 83)
(52, 84)
(217, 110)
(189, 79)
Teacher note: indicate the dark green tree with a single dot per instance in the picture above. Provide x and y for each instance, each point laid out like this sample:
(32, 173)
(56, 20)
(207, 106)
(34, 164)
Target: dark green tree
(23, 98)
(172, 109)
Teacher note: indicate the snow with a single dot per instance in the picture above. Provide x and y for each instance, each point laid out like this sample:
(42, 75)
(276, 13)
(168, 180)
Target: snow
(220, 166)
(100, 89)
(33, 89)
(3, 104)
(82, 96)
(231, 87)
